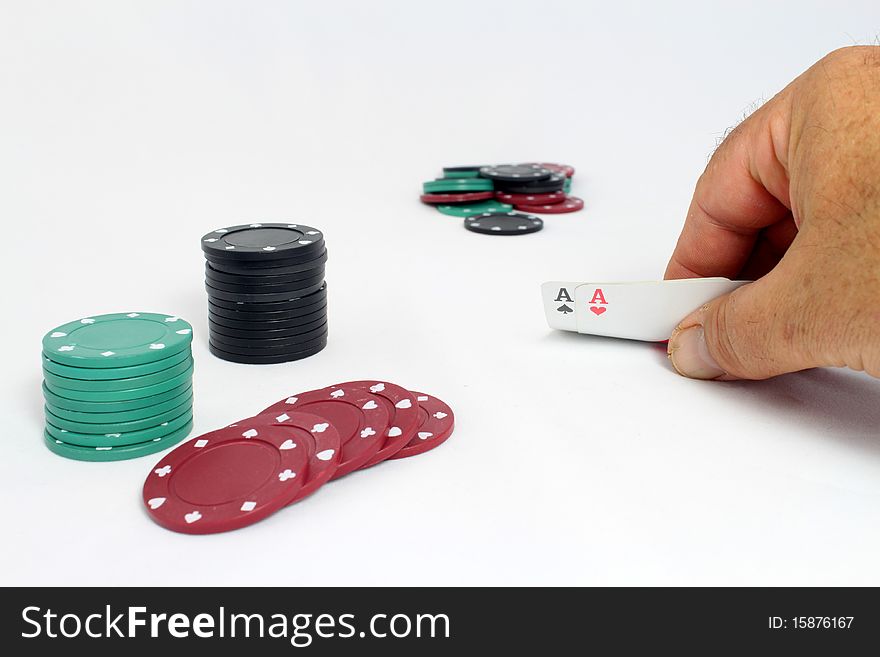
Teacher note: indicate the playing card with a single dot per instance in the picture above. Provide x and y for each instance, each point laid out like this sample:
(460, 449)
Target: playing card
(559, 308)
(647, 310)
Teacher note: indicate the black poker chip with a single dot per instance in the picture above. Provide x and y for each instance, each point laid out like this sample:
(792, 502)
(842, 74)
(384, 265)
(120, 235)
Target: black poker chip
(235, 343)
(212, 274)
(249, 323)
(265, 311)
(515, 172)
(504, 223)
(254, 359)
(274, 349)
(288, 304)
(247, 313)
(263, 241)
(268, 287)
(554, 183)
(270, 267)
(260, 331)
(267, 297)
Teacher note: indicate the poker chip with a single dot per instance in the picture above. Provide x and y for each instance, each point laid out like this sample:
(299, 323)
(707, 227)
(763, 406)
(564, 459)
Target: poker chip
(263, 359)
(565, 169)
(263, 241)
(530, 199)
(117, 386)
(451, 197)
(555, 183)
(290, 315)
(270, 346)
(262, 286)
(117, 453)
(570, 204)
(118, 392)
(471, 209)
(472, 171)
(458, 185)
(322, 442)
(222, 322)
(566, 186)
(267, 299)
(93, 374)
(227, 479)
(235, 476)
(68, 387)
(219, 278)
(403, 409)
(515, 172)
(315, 298)
(97, 424)
(120, 439)
(117, 340)
(79, 406)
(510, 223)
(267, 333)
(359, 416)
(272, 268)
(262, 297)
(436, 423)
(125, 414)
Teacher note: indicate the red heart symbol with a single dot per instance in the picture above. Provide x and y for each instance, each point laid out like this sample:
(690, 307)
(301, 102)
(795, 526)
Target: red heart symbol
(597, 310)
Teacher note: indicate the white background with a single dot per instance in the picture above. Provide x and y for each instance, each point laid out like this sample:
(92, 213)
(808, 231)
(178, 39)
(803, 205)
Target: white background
(127, 130)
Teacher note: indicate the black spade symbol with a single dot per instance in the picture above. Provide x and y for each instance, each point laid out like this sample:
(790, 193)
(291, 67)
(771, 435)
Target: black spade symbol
(564, 309)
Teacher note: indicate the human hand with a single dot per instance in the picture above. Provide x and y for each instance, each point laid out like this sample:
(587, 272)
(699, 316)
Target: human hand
(790, 199)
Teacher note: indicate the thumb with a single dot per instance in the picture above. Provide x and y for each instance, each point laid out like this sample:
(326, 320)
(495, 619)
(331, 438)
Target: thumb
(751, 333)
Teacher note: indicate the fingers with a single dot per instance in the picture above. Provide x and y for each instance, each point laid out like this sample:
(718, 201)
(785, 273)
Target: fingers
(743, 190)
(752, 333)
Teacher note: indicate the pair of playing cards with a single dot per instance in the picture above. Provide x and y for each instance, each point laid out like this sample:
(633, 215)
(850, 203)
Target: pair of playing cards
(648, 310)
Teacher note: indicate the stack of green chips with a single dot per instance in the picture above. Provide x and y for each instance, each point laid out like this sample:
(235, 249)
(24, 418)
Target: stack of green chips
(117, 386)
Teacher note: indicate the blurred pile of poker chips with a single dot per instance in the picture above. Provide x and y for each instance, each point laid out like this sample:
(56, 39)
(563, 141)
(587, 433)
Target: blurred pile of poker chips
(504, 189)
(117, 386)
(267, 299)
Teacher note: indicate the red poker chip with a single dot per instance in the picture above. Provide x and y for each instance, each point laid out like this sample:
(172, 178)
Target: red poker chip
(403, 409)
(531, 199)
(565, 169)
(436, 423)
(359, 416)
(570, 204)
(226, 479)
(451, 198)
(321, 440)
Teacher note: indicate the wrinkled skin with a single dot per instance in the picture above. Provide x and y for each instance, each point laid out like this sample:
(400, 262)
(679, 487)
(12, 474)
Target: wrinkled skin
(791, 199)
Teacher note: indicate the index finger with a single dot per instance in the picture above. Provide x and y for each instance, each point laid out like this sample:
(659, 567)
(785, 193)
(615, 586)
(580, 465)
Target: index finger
(743, 190)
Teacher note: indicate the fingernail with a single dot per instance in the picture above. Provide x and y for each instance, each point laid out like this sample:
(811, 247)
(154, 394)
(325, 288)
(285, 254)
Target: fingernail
(689, 355)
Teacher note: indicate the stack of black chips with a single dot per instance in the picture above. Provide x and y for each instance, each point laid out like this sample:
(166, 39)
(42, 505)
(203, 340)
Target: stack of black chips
(267, 299)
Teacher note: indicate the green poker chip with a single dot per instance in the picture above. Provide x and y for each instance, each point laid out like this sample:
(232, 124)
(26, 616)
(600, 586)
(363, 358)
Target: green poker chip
(117, 340)
(101, 407)
(180, 375)
(458, 175)
(119, 453)
(119, 439)
(117, 385)
(471, 209)
(566, 185)
(130, 415)
(458, 185)
(88, 376)
(96, 424)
